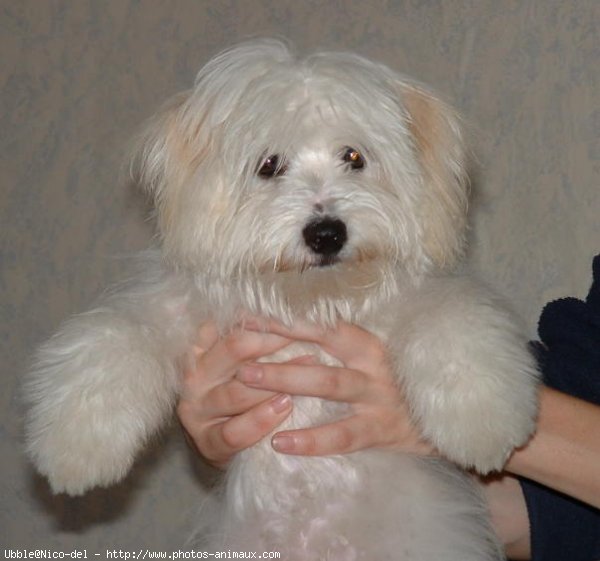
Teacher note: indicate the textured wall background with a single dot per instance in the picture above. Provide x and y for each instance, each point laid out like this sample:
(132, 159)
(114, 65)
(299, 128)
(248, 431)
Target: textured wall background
(78, 78)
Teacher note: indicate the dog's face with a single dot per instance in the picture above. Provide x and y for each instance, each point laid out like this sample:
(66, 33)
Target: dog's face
(271, 165)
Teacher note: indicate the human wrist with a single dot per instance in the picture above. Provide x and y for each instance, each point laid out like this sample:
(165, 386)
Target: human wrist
(562, 454)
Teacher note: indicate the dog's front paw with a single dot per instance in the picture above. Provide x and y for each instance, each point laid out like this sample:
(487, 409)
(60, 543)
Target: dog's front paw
(76, 456)
(477, 421)
(82, 435)
(470, 380)
(97, 393)
(478, 436)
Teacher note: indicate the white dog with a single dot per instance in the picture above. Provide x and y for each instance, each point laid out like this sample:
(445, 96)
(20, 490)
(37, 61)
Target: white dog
(322, 189)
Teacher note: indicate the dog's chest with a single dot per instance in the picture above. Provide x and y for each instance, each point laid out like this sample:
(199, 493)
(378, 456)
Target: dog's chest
(262, 467)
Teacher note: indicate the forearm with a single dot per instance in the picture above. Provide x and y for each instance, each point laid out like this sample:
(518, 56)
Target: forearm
(509, 515)
(564, 453)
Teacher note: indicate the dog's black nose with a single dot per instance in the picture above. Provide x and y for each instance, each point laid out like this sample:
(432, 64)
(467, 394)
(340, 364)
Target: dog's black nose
(325, 236)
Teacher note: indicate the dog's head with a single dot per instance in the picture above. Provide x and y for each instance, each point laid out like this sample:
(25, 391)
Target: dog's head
(271, 164)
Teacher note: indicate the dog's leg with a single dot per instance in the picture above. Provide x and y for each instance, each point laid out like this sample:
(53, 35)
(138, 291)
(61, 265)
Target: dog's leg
(106, 382)
(470, 379)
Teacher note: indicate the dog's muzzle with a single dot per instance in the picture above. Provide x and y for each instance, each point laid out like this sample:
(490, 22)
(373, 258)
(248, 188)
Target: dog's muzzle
(326, 237)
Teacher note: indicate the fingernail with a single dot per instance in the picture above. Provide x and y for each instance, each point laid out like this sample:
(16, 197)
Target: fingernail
(250, 374)
(283, 443)
(280, 403)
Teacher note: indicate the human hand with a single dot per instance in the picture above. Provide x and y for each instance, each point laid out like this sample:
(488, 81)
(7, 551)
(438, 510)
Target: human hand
(223, 413)
(220, 415)
(379, 416)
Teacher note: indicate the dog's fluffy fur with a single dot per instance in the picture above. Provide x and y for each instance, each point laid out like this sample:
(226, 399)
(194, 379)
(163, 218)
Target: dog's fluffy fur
(357, 144)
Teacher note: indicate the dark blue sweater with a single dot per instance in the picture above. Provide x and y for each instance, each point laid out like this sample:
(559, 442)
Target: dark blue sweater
(562, 528)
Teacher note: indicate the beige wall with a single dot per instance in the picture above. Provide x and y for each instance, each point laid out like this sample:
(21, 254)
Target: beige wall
(78, 77)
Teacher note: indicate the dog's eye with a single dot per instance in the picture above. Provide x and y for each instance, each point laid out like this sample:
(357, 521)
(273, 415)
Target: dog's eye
(354, 158)
(271, 166)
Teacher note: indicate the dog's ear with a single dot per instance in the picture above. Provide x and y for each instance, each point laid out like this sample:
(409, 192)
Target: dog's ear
(166, 153)
(166, 149)
(441, 152)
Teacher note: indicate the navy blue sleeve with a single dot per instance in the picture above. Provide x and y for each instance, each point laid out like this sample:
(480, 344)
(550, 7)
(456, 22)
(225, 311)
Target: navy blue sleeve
(562, 528)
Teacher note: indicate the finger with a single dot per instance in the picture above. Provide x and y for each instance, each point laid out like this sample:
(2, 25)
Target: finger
(341, 437)
(326, 382)
(355, 347)
(231, 398)
(391, 430)
(352, 345)
(225, 439)
(220, 362)
(300, 330)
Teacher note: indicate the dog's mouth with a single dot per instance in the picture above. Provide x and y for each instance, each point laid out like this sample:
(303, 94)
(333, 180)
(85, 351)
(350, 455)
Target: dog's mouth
(313, 263)
(356, 257)
(326, 261)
